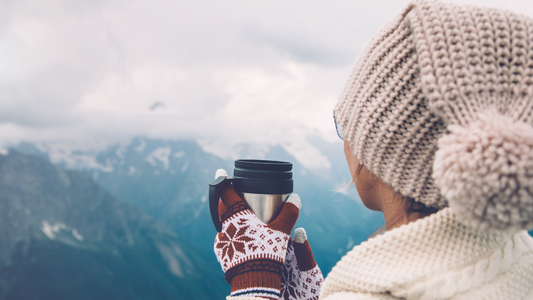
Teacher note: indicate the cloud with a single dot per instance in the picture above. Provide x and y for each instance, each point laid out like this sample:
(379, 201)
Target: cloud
(225, 72)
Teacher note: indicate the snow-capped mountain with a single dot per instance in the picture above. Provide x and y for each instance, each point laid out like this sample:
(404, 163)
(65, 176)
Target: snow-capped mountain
(169, 181)
(62, 236)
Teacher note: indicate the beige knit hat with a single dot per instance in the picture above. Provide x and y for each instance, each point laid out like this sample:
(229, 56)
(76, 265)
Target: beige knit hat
(440, 107)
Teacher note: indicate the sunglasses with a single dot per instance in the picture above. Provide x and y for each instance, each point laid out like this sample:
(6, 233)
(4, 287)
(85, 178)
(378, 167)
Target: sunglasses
(340, 133)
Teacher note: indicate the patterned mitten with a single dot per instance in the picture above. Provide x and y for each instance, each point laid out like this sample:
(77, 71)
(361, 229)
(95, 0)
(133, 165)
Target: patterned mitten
(252, 253)
(302, 277)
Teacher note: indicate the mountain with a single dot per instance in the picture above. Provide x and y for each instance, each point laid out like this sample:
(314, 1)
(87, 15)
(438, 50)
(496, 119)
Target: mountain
(63, 236)
(169, 181)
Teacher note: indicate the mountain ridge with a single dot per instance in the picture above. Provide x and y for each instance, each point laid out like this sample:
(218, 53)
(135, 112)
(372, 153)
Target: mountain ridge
(168, 180)
(62, 234)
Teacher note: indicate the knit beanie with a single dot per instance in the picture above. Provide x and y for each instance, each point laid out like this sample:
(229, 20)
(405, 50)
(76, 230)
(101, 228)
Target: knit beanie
(440, 107)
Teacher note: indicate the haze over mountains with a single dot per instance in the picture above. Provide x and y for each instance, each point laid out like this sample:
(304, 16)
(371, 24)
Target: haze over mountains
(62, 236)
(146, 201)
(168, 180)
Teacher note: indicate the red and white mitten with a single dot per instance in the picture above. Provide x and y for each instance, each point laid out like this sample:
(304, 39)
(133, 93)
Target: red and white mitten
(252, 253)
(302, 277)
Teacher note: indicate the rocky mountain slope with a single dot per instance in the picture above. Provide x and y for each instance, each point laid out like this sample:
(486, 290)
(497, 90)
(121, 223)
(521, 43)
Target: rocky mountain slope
(62, 236)
(168, 180)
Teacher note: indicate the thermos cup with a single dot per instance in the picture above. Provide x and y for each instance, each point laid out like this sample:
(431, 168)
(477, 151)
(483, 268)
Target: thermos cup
(264, 185)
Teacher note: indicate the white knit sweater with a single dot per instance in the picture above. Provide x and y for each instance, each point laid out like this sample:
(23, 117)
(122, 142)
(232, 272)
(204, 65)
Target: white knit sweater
(435, 258)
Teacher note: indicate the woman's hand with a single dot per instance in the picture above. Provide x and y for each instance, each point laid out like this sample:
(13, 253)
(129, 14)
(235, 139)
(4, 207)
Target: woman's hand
(302, 277)
(251, 253)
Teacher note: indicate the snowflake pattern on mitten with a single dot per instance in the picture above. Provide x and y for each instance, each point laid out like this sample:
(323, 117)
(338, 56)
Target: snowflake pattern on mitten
(299, 284)
(244, 238)
(250, 252)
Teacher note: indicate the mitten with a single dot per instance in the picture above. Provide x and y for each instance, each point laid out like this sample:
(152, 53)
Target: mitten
(251, 253)
(302, 277)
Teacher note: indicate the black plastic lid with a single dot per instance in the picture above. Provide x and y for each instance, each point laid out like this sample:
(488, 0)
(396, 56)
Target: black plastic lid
(263, 176)
(265, 165)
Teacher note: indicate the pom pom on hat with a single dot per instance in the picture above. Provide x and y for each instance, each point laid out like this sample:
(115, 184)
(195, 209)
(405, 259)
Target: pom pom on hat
(485, 171)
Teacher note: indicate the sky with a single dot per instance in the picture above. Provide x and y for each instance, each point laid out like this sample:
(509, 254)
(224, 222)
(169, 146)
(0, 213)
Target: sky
(94, 72)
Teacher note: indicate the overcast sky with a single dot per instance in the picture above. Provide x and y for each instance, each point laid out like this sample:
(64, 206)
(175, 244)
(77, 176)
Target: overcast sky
(221, 72)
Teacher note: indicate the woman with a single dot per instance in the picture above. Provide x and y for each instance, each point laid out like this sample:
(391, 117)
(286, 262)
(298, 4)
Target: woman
(437, 125)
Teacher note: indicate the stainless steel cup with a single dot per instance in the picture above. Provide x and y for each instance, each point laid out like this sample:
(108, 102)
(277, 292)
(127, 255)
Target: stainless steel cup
(265, 207)
(265, 185)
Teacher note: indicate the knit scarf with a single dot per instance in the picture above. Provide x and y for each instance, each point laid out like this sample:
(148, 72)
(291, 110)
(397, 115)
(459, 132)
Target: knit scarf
(437, 258)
